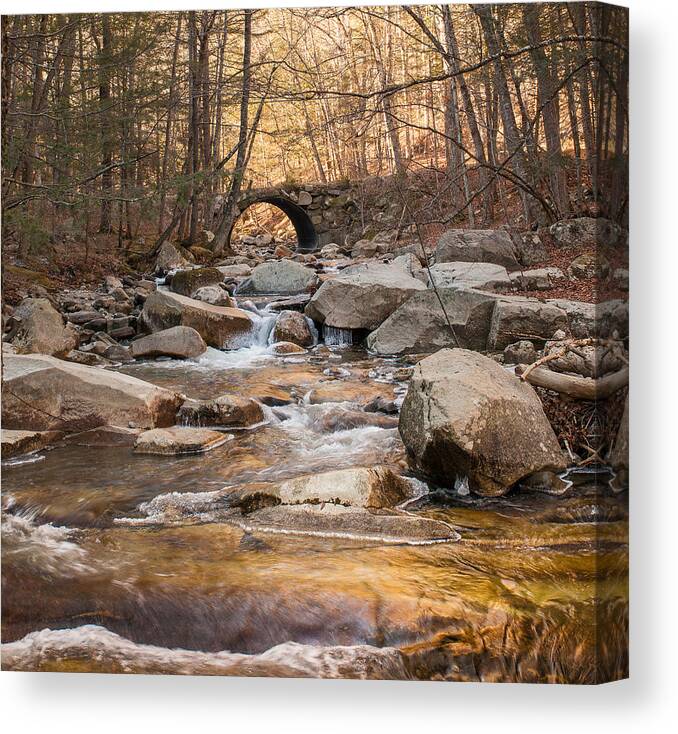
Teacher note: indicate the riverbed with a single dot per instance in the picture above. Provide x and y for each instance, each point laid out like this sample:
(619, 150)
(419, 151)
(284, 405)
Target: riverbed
(118, 562)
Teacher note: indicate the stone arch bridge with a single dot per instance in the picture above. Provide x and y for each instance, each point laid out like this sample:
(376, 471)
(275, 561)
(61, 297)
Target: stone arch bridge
(320, 213)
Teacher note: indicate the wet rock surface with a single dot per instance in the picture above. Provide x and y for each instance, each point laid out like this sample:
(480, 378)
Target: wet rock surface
(465, 418)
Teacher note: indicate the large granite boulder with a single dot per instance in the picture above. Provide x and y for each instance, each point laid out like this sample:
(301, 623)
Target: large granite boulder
(515, 318)
(362, 296)
(179, 342)
(43, 393)
(587, 232)
(282, 276)
(420, 326)
(39, 329)
(478, 246)
(484, 276)
(466, 418)
(595, 319)
(187, 282)
(220, 326)
(292, 326)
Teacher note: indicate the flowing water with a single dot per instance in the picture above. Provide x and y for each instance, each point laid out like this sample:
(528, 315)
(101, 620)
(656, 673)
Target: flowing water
(117, 562)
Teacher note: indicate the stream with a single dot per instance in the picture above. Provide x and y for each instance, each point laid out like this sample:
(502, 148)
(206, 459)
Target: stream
(117, 562)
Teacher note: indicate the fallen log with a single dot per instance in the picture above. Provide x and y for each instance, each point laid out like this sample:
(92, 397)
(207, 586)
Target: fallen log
(583, 388)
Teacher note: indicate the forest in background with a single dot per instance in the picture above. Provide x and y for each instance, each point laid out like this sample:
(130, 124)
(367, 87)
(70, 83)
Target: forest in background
(126, 126)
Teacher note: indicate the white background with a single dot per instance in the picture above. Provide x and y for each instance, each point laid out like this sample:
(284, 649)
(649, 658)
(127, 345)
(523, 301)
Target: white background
(105, 703)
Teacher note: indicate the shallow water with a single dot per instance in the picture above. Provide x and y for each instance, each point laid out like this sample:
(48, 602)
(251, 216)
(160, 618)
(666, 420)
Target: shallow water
(119, 562)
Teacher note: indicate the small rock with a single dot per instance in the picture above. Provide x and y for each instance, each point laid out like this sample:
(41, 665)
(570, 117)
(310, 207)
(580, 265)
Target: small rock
(178, 440)
(227, 410)
(522, 352)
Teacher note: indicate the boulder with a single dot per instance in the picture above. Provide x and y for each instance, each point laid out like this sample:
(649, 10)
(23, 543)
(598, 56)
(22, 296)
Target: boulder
(621, 278)
(364, 248)
(170, 257)
(178, 440)
(178, 342)
(466, 418)
(214, 294)
(478, 246)
(587, 232)
(219, 326)
(540, 279)
(522, 352)
(589, 265)
(43, 393)
(581, 316)
(529, 248)
(187, 282)
(420, 326)
(292, 326)
(516, 318)
(480, 275)
(227, 410)
(368, 487)
(39, 328)
(283, 276)
(362, 296)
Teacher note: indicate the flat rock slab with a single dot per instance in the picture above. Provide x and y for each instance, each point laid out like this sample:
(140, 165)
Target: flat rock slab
(366, 487)
(178, 440)
(336, 521)
(484, 276)
(43, 393)
(227, 410)
(16, 443)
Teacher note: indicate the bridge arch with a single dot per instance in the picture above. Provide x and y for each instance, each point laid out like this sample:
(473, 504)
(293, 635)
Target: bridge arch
(307, 236)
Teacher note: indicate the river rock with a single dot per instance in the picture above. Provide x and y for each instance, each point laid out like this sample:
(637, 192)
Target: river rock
(214, 294)
(529, 247)
(587, 232)
(480, 275)
(367, 487)
(351, 522)
(420, 326)
(362, 296)
(39, 328)
(16, 443)
(292, 326)
(364, 248)
(346, 420)
(227, 410)
(187, 282)
(516, 318)
(466, 417)
(283, 348)
(477, 245)
(219, 326)
(170, 257)
(178, 342)
(178, 440)
(43, 393)
(282, 276)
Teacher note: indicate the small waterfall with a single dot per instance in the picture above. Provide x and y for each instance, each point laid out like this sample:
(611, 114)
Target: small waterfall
(333, 336)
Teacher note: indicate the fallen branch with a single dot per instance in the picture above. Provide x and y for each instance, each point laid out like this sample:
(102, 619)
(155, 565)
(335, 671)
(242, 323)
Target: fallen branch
(583, 388)
(557, 355)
